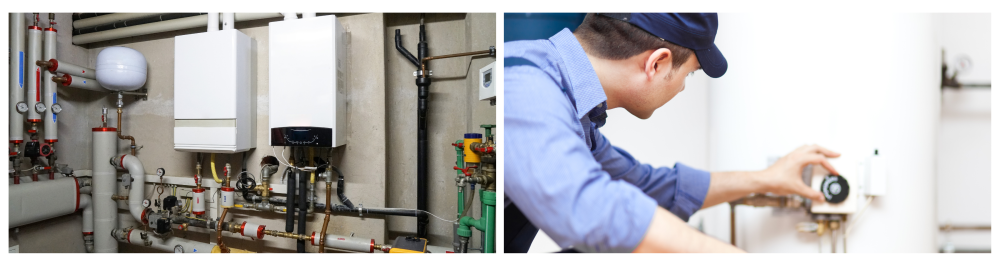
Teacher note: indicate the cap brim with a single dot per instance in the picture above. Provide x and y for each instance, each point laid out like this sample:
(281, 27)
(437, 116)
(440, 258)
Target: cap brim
(712, 61)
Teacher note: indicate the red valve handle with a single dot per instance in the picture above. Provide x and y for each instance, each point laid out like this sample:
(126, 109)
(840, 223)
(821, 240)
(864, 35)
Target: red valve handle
(459, 145)
(465, 170)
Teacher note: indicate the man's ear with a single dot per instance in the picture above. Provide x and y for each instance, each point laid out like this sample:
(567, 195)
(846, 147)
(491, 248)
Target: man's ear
(658, 62)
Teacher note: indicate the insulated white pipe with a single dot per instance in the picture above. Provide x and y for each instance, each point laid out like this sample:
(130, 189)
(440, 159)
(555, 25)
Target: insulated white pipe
(33, 91)
(105, 210)
(49, 124)
(366, 245)
(228, 21)
(110, 18)
(309, 15)
(88, 214)
(71, 69)
(82, 83)
(150, 28)
(17, 62)
(138, 190)
(37, 201)
(134, 237)
(213, 21)
(255, 16)
(289, 16)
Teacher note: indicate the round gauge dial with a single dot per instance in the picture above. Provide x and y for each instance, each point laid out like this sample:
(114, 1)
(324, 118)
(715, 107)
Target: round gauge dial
(56, 108)
(22, 107)
(40, 107)
(145, 203)
(160, 172)
(178, 249)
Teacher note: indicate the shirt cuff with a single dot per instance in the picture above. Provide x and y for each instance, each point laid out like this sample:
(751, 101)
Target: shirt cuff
(692, 187)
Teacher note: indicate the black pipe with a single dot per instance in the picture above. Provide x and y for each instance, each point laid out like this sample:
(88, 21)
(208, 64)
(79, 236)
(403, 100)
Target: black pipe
(79, 16)
(290, 210)
(399, 47)
(303, 208)
(423, 84)
(133, 22)
(340, 189)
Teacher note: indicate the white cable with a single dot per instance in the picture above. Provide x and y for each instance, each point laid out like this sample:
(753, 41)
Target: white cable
(435, 216)
(307, 169)
(858, 216)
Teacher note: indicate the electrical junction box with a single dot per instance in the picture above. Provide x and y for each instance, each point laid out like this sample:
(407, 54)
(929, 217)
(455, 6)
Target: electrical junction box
(849, 170)
(213, 99)
(487, 82)
(308, 77)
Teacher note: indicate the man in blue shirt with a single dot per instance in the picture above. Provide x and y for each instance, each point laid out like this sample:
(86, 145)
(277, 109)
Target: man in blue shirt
(561, 175)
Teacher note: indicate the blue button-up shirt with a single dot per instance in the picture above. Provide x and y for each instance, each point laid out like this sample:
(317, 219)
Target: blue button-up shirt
(561, 172)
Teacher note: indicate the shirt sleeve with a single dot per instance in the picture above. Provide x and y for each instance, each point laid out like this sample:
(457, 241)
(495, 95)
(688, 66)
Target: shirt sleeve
(681, 189)
(550, 174)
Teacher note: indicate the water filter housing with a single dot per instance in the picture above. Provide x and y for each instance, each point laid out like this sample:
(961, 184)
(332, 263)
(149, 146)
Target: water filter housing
(308, 78)
(213, 97)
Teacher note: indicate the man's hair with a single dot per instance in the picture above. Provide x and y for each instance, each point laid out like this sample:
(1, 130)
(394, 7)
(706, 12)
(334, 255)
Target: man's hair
(613, 39)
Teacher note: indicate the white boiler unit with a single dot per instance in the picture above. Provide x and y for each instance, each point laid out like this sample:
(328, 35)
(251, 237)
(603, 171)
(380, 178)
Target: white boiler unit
(308, 74)
(213, 99)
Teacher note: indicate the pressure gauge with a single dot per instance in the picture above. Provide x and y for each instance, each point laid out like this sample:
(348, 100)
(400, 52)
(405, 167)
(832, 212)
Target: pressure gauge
(22, 107)
(145, 203)
(178, 249)
(40, 107)
(160, 172)
(56, 108)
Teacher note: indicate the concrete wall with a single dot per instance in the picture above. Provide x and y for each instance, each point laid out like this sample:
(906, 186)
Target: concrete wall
(379, 161)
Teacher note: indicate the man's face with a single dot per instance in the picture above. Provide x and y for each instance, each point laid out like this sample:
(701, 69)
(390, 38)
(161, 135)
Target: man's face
(653, 93)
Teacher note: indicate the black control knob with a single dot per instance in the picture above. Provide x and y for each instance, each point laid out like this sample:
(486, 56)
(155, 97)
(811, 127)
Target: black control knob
(835, 188)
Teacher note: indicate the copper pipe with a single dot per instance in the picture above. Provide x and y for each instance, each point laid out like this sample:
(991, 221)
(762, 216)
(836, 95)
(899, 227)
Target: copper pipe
(423, 62)
(326, 220)
(949, 227)
(222, 246)
(124, 137)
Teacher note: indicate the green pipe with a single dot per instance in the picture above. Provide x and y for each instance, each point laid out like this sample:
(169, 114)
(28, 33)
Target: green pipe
(487, 223)
(487, 127)
(459, 161)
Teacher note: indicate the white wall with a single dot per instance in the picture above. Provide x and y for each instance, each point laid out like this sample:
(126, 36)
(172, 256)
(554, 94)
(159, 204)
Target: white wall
(963, 167)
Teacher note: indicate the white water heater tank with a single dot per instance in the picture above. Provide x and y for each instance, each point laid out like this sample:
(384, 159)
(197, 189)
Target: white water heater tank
(121, 69)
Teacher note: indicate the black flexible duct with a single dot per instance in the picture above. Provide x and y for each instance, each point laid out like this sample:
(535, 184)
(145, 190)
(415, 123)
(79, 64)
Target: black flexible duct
(340, 189)
(133, 22)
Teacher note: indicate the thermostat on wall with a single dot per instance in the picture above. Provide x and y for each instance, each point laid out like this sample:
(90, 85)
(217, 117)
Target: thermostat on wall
(487, 82)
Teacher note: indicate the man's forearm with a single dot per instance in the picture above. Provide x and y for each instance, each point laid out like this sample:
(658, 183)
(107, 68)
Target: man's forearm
(729, 186)
(667, 233)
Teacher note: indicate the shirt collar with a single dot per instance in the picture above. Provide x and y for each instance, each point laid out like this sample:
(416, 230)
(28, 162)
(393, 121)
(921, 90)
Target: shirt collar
(586, 87)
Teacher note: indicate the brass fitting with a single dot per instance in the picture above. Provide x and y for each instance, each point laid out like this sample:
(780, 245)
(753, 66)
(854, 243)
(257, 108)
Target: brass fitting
(834, 225)
(119, 197)
(276, 233)
(821, 228)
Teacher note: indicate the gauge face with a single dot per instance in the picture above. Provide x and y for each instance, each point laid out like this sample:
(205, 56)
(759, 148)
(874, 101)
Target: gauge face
(160, 172)
(145, 203)
(40, 107)
(22, 107)
(56, 108)
(178, 249)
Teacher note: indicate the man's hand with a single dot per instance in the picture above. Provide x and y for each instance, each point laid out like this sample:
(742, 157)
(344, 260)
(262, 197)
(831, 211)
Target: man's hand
(785, 176)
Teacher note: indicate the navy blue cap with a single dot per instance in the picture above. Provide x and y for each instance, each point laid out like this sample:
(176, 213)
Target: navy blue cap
(694, 31)
(473, 136)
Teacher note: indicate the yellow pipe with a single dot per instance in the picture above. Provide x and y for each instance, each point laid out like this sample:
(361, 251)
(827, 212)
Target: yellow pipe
(312, 175)
(217, 180)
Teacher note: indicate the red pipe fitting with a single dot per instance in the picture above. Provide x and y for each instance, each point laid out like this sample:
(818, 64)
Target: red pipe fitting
(465, 170)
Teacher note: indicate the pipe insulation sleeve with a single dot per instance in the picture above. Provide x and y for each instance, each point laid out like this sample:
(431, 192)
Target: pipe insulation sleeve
(104, 186)
(71, 69)
(168, 243)
(366, 245)
(228, 21)
(110, 19)
(82, 83)
(88, 214)
(139, 30)
(252, 230)
(213, 22)
(137, 193)
(49, 124)
(17, 76)
(33, 75)
(37, 201)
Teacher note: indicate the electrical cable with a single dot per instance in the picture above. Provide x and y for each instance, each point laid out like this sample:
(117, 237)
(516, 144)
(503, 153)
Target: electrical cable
(858, 216)
(283, 161)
